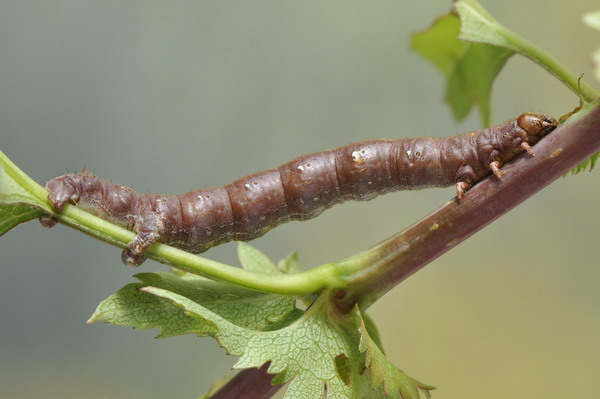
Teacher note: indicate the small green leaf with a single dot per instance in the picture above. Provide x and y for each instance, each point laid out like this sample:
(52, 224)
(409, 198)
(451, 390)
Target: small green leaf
(573, 117)
(14, 214)
(289, 265)
(471, 81)
(587, 164)
(11, 192)
(131, 307)
(17, 205)
(477, 25)
(439, 44)
(372, 330)
(250, 309)
(470, 68)
(254, 260)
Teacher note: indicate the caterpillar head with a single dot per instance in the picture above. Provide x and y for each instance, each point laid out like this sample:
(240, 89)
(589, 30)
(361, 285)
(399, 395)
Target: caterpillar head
(536, 126)
(521, 133)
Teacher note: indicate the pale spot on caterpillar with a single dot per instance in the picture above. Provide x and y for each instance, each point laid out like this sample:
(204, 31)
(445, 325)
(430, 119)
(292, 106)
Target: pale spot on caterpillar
(359, 157)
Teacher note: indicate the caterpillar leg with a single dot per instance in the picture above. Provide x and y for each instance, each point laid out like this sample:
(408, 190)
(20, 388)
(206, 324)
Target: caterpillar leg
(525, 145)
(464, 180)
(131, 259)
(495, 167)
(461, 188)
(114, 203)
(149, 227)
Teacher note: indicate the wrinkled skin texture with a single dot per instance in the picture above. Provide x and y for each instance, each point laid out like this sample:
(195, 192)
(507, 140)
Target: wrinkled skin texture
(300, 189)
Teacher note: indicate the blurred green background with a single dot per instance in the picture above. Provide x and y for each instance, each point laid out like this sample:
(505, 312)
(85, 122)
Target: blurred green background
(173, 96)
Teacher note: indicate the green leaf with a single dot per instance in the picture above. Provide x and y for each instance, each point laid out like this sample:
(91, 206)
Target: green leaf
(592, 19)
(439, 44)
(11, 192)
(15, 214)
(372, 330)
(477, 25)
(289, 265)
(471, 81)
(250, 309)
(587, 164)
(573, 117)
(254, 260)
(17, 205)
(317, 353)
(470, 68)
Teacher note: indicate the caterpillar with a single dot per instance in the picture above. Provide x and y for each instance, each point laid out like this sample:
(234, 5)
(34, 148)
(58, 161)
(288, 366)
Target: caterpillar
(298, 190)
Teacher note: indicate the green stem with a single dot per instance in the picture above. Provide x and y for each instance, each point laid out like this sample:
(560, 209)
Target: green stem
(32, 192)
(574, 82)
(314, 280)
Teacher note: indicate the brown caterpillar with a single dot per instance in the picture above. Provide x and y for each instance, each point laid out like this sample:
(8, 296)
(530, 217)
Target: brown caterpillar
(298, 190)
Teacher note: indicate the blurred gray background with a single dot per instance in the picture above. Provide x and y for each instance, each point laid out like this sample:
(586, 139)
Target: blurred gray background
(173, 96)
